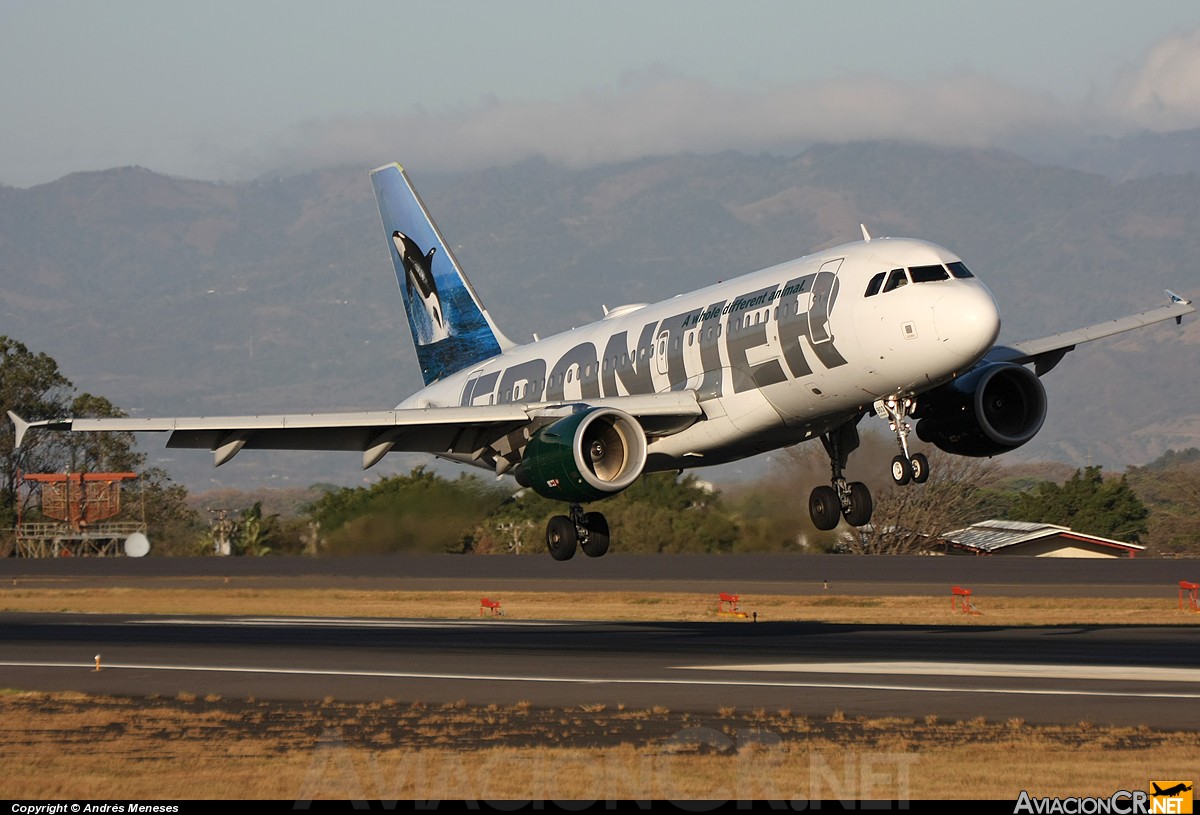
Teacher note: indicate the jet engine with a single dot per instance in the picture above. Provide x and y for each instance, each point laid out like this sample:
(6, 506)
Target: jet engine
(587, 456)
(993, 408)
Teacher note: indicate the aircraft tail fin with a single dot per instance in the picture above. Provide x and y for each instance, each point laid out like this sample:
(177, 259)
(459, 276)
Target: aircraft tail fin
(450, 327)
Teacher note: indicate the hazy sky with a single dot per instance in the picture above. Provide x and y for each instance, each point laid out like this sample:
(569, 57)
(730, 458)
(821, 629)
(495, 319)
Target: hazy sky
(230, 90)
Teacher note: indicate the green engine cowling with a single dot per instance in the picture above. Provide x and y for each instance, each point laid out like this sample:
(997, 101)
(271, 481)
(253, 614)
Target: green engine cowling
(587, 456)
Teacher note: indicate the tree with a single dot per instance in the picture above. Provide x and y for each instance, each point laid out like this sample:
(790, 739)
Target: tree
(174, 526)
(420, 511)
(773, 511)
(1170, 488)
(1089, 503)
(1174, 525)
(908, 519)
(657, 513)
(257, 532)
(905, 520)
(663, 513)
(32, 387)
(97, 452)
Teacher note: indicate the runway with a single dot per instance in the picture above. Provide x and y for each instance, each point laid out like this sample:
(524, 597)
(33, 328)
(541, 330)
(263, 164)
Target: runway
(1057, 674)
(708, 574)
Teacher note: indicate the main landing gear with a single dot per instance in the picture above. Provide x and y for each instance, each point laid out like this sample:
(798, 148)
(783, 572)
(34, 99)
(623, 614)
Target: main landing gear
(905, 468)
(587, 529)
(852, 500)
(849, 500)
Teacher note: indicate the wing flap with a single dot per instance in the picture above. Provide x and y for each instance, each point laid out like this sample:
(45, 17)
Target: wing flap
(464, 431)
(483, 414)
(435, 438)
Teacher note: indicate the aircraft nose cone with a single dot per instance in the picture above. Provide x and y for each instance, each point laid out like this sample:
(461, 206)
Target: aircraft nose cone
(967, 319)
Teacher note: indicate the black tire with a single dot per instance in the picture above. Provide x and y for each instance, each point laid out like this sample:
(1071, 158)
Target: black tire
(561, 538)
(597, 535)
(920, 468)
(825, 508)
(902, 471)
(861, 505)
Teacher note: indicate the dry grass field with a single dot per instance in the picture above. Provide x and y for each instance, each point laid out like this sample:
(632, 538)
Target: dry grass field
(74, 746)
(234, 599)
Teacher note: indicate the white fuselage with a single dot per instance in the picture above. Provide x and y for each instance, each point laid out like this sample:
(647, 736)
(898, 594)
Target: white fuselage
(775, 357)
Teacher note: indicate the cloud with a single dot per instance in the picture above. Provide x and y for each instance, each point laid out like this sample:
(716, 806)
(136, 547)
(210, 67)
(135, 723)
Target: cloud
(656, 112)
(651, 112)
(1163, 92)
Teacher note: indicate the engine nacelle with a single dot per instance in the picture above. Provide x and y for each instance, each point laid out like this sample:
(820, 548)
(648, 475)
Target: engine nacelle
(587, 456)
(993, 408)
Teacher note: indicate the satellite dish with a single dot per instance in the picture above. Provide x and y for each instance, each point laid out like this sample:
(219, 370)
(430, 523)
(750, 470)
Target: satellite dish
(137, 545)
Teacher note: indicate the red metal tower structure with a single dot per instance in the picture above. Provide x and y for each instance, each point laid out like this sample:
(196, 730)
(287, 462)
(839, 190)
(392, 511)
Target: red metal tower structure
(75, 513)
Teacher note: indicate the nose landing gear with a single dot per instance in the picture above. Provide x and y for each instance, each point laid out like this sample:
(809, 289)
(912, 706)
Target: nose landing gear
(906, 468)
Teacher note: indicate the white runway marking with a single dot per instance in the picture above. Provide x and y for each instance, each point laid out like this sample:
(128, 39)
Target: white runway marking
(1131, 673)
(575, 680)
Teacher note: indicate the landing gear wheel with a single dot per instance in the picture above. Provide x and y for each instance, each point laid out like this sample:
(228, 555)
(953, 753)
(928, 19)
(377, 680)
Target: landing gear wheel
(902, 470)
(561, 537)
(861, 505)
(920, 468)
(825, 508)
(596, 543)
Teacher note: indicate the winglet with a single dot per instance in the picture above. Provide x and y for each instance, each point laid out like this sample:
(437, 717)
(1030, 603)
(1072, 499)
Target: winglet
(1175, 298)
(21, 426)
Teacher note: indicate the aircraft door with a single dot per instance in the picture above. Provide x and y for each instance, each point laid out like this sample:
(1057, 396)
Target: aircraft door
(468, 393)
(693, 361)
(824, 292)
(660, 351)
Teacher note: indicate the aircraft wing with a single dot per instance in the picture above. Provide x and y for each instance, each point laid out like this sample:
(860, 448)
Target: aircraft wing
(1047, 352)
(461, 431)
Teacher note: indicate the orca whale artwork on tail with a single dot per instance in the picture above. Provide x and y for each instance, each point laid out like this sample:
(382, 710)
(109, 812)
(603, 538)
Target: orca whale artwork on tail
(449, 326)
(806, 350)
(420, 288)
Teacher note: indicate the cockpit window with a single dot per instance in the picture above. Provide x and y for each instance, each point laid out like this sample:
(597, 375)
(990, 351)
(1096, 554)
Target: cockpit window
(928, 274)
(959, 269)
(895, 280)
(873, 286)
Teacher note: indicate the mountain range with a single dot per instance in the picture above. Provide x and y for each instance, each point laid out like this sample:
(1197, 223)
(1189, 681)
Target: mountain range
(173, 296)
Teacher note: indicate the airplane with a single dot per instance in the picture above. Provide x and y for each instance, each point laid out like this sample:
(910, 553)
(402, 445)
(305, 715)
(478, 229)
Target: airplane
(803, 350)
(1170, 792)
